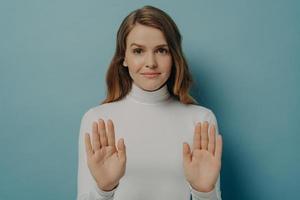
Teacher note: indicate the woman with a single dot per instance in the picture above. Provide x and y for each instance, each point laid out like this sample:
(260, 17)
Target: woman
(148, 107)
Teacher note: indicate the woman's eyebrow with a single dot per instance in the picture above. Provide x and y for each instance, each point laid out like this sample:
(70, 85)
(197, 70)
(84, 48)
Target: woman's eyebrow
(139, 45)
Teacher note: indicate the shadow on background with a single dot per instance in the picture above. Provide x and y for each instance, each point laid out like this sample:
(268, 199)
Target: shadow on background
(233, 178)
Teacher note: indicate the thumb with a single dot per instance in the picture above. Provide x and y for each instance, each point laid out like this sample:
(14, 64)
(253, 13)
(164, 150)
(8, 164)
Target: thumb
(186, 152)
(121, 149)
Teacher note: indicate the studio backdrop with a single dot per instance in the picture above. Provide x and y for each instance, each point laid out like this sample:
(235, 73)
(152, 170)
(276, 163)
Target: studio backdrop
(244, 58)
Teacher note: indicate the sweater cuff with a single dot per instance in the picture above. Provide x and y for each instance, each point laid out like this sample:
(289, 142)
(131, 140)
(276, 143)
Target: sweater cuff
(106, 194)
(196, 195)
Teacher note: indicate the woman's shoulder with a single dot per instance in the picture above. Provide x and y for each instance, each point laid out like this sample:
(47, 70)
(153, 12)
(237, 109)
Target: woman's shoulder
(102, 109)
(195, 111)
(194, 108)
(199, 110)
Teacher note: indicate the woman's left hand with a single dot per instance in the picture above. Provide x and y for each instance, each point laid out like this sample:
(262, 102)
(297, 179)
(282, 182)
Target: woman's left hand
(202, 166)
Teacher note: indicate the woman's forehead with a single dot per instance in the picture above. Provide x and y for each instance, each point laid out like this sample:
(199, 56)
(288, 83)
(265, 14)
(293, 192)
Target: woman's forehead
(146, 36)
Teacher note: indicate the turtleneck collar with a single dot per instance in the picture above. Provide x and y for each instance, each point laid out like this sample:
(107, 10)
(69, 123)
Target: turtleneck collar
(148, 97)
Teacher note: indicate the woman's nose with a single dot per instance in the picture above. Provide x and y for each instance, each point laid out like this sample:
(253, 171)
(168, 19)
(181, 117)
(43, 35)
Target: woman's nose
(151, 61)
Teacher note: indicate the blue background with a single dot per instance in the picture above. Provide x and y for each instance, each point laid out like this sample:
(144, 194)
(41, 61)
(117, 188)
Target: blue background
(244, 56)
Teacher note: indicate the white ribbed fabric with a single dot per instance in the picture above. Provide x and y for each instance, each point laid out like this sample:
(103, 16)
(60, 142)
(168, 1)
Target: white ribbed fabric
(154, 125)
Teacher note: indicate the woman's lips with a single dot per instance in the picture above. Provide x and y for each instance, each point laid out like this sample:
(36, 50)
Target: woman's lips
(151, 75)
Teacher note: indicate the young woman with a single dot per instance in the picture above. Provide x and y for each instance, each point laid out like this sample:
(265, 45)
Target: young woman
(149, 108)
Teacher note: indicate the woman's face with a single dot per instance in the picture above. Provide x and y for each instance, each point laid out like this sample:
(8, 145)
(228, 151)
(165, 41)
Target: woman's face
(147, 57)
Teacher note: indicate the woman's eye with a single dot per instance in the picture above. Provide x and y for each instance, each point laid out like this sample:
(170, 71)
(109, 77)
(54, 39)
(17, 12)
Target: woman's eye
(163, 51)
(137, 51)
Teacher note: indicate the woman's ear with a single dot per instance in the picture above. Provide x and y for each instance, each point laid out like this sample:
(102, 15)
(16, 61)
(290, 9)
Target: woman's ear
(124, 63)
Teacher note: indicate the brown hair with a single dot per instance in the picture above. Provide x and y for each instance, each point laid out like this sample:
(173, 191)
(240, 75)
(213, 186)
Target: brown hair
(118, 80)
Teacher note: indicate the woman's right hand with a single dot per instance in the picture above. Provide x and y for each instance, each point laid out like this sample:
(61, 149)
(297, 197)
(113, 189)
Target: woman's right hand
(107, 164)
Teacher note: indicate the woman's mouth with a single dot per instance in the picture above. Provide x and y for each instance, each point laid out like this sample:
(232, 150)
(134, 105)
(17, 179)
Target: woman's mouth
(151, 74)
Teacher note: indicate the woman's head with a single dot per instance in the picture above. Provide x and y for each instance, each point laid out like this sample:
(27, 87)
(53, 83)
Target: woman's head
(148, 41)
(147, 57)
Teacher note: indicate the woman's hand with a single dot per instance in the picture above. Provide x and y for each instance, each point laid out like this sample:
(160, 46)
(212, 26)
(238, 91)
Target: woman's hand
(107, 164)
(202, 165)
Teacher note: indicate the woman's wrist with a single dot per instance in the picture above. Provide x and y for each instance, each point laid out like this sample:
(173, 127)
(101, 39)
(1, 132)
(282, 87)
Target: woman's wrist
(201, 189)
(108, 188)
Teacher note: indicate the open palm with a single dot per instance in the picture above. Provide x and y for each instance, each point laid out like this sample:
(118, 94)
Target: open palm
(202, 165)
(106, 163)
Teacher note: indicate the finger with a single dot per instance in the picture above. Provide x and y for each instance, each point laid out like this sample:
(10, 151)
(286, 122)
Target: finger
(211, 140)
(111, 134)
(121, 150)
(95, 137)
(102, 132)
(204, 135)
(197, 136)
(88, 146)
(186, 153)
(219, 146)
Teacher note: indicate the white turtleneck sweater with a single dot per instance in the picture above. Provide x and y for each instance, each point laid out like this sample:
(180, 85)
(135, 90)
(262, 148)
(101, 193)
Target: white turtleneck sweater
(154, 125)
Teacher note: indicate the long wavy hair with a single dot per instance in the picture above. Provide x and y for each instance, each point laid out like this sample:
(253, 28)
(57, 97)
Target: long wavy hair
(118, 79)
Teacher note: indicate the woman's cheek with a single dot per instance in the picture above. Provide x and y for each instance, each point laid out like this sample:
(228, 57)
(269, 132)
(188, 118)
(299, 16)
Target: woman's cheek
(138, 62)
